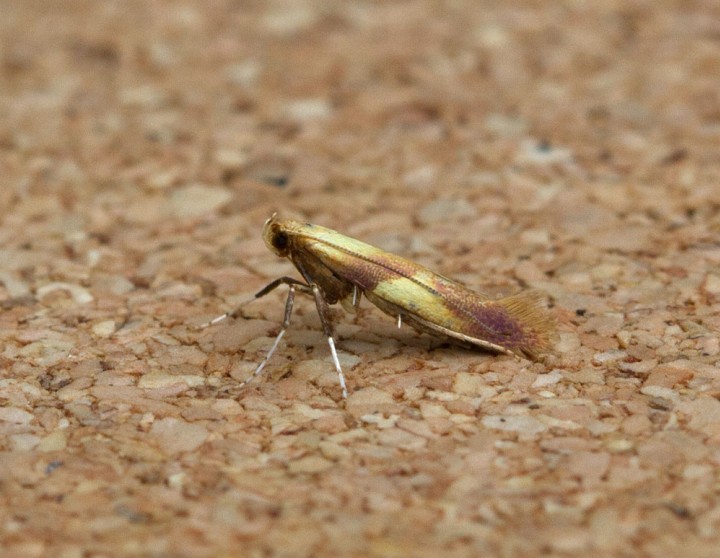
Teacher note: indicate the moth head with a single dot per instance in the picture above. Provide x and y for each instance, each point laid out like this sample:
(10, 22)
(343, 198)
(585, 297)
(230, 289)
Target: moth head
(276, 236)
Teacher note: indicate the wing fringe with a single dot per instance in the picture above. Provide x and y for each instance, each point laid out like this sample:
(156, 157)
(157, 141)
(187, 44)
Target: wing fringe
(537, 323)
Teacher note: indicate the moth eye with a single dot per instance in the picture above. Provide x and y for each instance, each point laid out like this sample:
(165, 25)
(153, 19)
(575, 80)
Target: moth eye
(280, 241)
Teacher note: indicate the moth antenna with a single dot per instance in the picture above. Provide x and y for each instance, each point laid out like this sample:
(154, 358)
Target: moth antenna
(234, 313)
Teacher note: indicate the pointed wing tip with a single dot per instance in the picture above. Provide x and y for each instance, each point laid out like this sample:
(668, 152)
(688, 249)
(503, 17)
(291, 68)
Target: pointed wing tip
(537, 322)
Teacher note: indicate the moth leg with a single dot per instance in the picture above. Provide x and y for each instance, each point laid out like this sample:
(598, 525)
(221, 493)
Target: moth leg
(283, 328)
(261, 293)
(399, 320)
(324, 312)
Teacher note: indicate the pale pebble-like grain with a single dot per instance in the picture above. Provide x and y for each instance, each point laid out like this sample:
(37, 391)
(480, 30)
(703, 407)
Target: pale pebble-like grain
(433, 410)
(401, 439)
(47, 352)
(15, 415)
(549, 379)
(227, 407)
(662, 392)
(333, 451)
(712, 284)
(175, 436)
(308, 110)
(704, 413)
(156, 379)
(608, 356)
(195, 200)
(55, 441)
(380, 421)
(80, 295)
(104, 329)
(619, 445)
(514, 423)
(310, 464)
(467, 383)
(569, 342)
(24, 442)
(640, 368)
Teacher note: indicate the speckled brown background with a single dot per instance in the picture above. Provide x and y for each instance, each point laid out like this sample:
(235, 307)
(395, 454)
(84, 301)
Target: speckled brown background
(570, 146)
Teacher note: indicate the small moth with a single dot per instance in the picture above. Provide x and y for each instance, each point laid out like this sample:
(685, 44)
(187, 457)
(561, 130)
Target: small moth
(338, 268)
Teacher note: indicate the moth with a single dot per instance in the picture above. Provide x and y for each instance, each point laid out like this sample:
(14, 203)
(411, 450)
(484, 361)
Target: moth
(337, 268)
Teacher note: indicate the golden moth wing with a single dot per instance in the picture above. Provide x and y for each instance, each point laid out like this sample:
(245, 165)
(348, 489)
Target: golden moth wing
(425, 326)
(396, 285)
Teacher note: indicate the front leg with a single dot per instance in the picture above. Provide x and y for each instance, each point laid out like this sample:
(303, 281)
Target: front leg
(285, 324)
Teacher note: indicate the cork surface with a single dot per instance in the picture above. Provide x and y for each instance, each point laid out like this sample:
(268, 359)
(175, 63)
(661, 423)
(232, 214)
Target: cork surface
(567, 146)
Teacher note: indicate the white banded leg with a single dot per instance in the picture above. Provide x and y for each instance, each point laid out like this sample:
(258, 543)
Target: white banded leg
(324, 312)
(283, 328)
